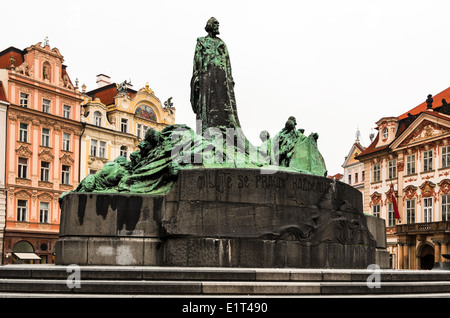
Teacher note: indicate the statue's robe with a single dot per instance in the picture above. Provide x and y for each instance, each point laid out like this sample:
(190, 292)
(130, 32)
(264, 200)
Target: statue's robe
(212, 86)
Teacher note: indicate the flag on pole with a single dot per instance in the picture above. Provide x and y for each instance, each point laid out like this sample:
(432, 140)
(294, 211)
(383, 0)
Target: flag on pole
(394, 202)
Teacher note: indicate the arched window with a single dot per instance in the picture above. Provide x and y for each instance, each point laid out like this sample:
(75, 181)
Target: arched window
(97, 118)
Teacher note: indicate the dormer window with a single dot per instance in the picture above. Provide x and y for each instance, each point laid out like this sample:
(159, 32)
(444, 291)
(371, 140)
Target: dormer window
(97, 118)
(385, 133)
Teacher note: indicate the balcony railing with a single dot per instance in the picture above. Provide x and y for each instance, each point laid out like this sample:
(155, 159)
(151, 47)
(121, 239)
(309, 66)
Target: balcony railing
(423, 227)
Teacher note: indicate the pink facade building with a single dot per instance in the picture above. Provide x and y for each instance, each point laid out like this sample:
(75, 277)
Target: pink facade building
(43, 132)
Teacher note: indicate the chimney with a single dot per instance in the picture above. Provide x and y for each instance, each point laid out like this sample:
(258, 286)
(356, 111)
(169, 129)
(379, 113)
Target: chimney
(103, 80)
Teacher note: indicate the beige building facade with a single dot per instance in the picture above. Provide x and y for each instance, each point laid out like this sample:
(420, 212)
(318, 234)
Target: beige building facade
(115, 120)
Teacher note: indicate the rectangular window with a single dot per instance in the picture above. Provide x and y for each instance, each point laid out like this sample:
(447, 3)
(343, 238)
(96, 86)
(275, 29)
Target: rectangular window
(23, 167)
(428, 160)
(411, 164)
(362, 176)
(102, 149)
(392, 169)
(22, 210)
(410, 211)
(46, 106)
(445, 157)
(66, 142)
(446, 207)
(23, 132)
(43, 212)
(391, 214)
(427, 209)
(66, 111)
(145, 128)
(45, 171)
(349, 179)
(139, 131)
(65, 176)
(376, 210)
(356, 177)
(45, 137)
(376, 172)
(23, 101)
(124, 125)
(94, 148)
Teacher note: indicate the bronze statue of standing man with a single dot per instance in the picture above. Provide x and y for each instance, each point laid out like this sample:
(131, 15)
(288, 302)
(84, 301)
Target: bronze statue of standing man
(212, 85)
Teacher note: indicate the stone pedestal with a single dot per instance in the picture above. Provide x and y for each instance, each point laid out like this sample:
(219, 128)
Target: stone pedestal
(221, 217)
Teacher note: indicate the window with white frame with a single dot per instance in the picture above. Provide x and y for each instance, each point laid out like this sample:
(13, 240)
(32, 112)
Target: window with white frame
(45, 171)
(428, 160)
(392, 169)
(22, 206)
(23, 132)
(43, 212)
(445, 207)
(23, 100)
(145, 128)
(376, 210)
(391, 214)
(46, 106)
(94, 145)
(411, 211)
(349, 178)
(445, 157)
(411, 164)
(102, 149)
(124, 125)
(139, 130)
(65, 175)
(376, 172)
(428, 209)
(66, 141)
(67, 111)
(22, 168)
(97, 118)
(123, 151)
(45, 140)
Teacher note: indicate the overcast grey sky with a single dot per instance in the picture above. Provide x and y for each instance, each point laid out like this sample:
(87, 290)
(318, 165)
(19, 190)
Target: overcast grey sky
(334, 65)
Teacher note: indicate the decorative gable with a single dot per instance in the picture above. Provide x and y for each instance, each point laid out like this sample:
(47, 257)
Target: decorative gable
(424, 131)
(427, 127)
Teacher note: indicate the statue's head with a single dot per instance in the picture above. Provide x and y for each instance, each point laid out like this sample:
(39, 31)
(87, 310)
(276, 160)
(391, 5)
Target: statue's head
(212, 27)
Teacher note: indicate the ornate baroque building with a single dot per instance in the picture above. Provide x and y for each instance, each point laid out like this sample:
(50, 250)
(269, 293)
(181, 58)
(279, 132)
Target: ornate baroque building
(410, 158)
(115, 120)
(3, 109)
(42, 148)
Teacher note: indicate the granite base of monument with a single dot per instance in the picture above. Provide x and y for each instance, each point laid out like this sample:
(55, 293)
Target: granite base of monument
(222, 217)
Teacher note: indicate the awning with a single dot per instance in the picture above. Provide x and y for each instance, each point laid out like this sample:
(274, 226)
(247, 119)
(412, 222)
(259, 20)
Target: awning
(27, 256)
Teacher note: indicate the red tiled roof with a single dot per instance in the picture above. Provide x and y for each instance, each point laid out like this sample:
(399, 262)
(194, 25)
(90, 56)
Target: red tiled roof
(107, 93)
(437, 102)
(5, 57)
(2, 93)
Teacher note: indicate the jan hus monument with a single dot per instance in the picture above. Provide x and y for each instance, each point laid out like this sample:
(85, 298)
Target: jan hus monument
(210, 197)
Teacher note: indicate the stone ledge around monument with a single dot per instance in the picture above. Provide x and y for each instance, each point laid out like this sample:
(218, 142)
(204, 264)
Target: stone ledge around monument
(221, 217)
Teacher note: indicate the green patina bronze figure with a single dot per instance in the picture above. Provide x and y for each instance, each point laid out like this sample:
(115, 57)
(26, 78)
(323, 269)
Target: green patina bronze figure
(212, 85)
(154, 167)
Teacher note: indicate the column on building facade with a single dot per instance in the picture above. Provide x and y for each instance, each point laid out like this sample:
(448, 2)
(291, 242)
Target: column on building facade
(400, 255)
(437, 251)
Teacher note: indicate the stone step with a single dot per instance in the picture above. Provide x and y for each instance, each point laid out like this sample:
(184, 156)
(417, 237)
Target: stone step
(212, 282)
